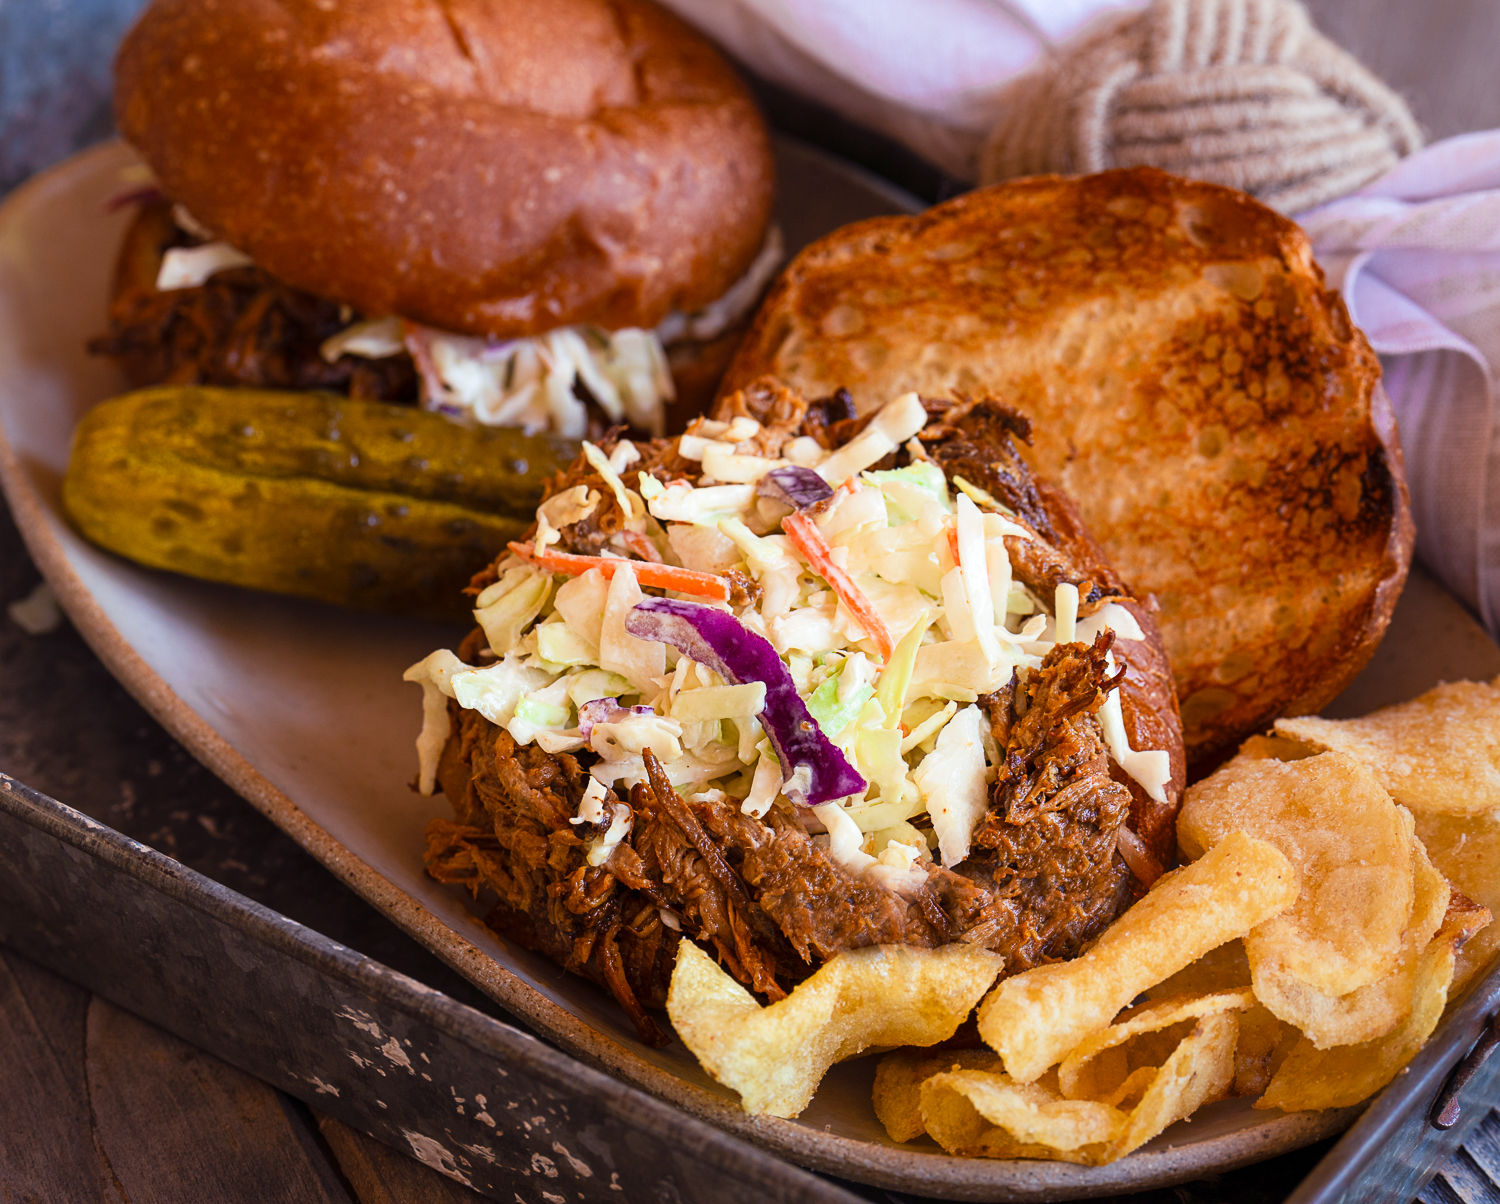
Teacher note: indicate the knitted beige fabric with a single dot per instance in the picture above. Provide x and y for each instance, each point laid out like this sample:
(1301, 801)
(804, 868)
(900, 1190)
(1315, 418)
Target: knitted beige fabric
(1239, 92)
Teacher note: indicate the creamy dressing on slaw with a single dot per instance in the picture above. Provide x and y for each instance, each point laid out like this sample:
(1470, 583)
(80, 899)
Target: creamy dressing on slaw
(528, 383)
(909, 722)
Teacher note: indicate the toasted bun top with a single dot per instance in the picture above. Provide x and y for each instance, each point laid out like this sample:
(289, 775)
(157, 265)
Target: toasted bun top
(496, 167)
(1192, 384)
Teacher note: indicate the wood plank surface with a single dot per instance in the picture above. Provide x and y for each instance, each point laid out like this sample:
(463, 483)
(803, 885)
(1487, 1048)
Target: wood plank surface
(97, 1105)
(45, 1133)
(1473, 1174)
(1484, 1146)
(1461, 1178)
(177, 1124)
(59, 1012)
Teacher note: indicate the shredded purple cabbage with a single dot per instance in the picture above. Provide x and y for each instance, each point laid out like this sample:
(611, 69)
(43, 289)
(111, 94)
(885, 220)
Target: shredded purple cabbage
(793, 486)
(719, 640)
(605, 710)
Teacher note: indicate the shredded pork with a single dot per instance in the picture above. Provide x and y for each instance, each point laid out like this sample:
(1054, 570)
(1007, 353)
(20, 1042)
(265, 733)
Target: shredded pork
(765, 895)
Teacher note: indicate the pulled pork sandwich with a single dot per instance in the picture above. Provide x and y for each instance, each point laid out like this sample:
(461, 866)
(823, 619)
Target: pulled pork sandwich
(795, 683)
(531, 213)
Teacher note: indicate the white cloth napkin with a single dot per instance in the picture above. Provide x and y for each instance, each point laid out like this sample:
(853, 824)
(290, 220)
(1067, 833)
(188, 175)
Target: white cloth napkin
(919, 71)
(1416, 253)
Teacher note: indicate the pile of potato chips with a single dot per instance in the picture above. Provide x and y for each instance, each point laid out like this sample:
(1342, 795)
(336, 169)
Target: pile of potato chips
(1334, 875)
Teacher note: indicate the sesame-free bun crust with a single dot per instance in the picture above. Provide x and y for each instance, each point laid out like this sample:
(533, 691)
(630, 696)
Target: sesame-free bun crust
(1192, 385)
(497, 167)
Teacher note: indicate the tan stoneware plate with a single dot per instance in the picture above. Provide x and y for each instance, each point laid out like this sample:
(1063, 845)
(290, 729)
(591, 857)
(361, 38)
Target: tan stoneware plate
(301, 709)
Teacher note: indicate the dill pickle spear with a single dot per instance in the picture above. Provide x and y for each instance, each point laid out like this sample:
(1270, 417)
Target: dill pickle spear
(358, 503)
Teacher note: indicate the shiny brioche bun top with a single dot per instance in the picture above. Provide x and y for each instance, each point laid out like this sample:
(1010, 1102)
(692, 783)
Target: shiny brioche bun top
(495, 167)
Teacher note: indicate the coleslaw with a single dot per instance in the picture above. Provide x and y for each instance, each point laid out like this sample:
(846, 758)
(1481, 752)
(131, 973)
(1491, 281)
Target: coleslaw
(800, 631)
(531, 383)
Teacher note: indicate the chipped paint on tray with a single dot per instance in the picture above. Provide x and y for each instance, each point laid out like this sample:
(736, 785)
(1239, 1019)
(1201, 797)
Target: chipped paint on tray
(392, 1050)
(436, 1155)
(482, 1152)
(580, 1168)
(361, 1020)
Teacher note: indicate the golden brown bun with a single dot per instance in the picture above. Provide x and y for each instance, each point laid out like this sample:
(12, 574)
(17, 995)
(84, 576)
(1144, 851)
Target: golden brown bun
(1193, 387)
(495, 167)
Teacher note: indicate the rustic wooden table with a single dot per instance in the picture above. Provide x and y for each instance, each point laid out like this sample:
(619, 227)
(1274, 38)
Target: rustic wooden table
(96, 1104)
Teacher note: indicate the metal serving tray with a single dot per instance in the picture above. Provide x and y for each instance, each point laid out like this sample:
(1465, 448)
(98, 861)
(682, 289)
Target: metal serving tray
(475, 1098)
(467, 1093)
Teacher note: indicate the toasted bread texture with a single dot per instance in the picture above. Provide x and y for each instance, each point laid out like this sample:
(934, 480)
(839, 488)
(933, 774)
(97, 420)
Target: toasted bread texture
(1193, 386)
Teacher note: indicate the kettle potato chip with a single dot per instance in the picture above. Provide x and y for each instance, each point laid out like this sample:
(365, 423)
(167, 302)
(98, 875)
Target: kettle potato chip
(1467, 850)
(1303, 956)
(1338, 1077)
(1223, 969)
(1376, 1008)
(899, 1079)
(1199, 1071)
(1275, 748)
(1463, 919)
(1035, 1019)
(981, 1113)
(1351, 845)
(1103, 1067)
(1439, 752)
(776, 1056)
(990, 1115)
(1264, 1043)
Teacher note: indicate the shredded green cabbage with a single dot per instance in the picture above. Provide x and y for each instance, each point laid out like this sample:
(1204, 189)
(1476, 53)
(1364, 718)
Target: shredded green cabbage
(909, 725)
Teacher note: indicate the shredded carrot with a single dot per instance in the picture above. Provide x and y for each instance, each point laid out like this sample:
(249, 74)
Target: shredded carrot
(808, 540)
(847, 489)
(641, 545)
(658, 576)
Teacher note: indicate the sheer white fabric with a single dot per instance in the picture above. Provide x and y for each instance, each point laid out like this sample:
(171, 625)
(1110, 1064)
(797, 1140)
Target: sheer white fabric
(1417, 257)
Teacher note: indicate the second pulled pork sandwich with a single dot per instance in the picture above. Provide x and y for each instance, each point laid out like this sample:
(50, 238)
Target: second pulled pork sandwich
(796, 683)
(520, 210)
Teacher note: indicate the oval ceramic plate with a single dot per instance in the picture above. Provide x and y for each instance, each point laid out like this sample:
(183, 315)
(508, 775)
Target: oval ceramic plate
(301, 709)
